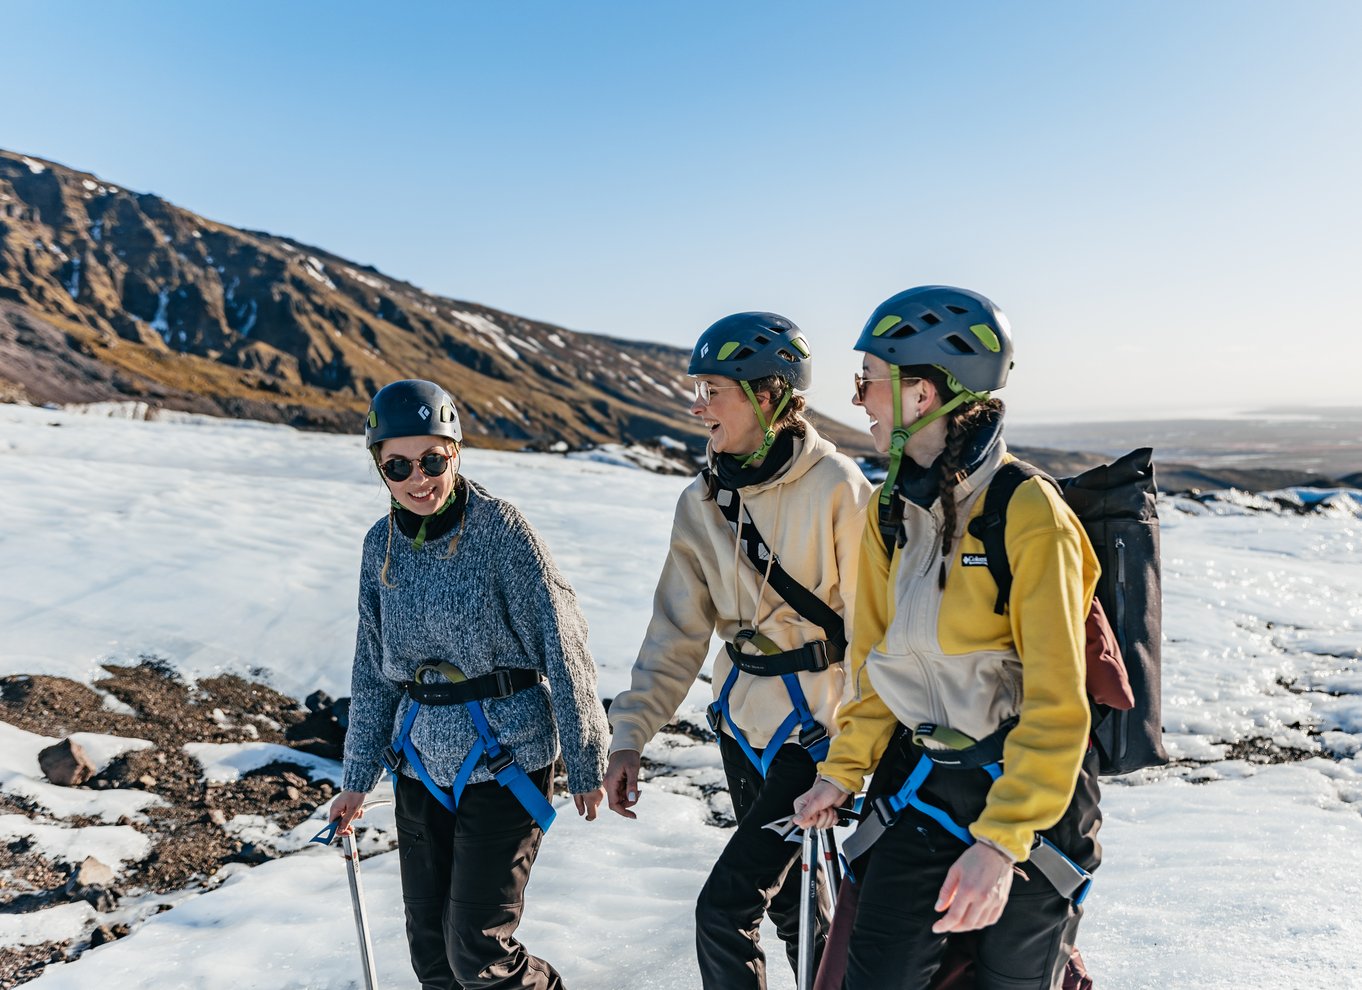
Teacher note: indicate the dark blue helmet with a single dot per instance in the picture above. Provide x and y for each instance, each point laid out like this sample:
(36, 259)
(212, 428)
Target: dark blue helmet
(411, 408)
(961, 332)
(748, 346)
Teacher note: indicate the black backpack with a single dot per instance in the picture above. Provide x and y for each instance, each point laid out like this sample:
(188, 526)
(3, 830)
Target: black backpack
(1116, 504)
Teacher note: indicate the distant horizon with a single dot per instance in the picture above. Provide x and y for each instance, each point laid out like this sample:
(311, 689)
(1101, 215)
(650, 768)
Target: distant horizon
(1157, 214)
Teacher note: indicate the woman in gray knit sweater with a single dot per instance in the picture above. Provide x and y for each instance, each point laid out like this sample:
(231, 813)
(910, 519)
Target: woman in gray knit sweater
(471, 672)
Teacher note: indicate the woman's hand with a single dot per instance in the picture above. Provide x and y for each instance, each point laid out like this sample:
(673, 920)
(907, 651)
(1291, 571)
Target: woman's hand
(621, 781)
(817, 807)
(347, 806)
(975, 891)
(588, 801)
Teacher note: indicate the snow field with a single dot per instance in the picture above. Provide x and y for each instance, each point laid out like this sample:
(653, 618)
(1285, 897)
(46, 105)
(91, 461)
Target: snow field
(233, 547)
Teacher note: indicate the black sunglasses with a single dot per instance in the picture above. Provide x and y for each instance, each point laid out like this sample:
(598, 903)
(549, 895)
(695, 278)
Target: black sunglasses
(432, 465)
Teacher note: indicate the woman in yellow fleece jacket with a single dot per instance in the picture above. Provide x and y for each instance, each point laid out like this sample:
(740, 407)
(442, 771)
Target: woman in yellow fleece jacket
(778, 502)
(975, 723)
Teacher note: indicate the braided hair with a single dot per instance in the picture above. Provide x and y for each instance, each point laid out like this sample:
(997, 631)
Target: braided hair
(961, 424)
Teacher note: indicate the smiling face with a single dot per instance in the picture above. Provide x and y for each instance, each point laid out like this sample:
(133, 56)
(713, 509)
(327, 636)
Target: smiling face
(419, 493)
(878, 399)
(729, 416)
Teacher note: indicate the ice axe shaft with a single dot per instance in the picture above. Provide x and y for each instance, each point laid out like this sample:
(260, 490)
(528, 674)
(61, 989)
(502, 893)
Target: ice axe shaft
(327, 836)
(808, 908)
(366, 946)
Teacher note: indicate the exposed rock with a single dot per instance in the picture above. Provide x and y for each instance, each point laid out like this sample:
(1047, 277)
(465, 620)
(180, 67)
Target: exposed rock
(90, 873)
(66, 764)
(110, 295)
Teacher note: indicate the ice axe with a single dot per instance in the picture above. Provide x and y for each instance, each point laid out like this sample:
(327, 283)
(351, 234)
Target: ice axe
(327, 837)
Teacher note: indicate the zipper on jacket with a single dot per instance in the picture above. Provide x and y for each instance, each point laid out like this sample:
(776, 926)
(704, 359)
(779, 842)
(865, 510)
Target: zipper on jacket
(923, 594)
(1121, 734)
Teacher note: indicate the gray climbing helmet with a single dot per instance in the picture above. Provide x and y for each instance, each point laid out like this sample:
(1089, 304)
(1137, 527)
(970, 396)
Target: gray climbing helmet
(411, 408)
(748, 346)
(961, 332)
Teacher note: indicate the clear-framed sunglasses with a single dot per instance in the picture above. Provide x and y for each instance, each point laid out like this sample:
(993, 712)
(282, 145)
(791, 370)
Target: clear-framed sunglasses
(704, 391)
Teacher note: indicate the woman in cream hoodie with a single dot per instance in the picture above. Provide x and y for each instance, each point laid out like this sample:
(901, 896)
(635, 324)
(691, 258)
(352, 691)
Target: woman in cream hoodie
(777, 506)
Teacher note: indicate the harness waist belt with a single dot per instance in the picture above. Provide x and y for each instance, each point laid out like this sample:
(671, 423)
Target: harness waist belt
(814, 657)
(1067, 877)
(500, 683)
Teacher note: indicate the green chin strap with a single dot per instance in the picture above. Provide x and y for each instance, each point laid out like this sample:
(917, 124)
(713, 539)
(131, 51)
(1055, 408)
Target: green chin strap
(768, 428)
(899, 438)
(420, 540)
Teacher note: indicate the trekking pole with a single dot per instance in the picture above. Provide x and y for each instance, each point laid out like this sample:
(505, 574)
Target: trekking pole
(327, 836)
(808, 908)
(832, 866)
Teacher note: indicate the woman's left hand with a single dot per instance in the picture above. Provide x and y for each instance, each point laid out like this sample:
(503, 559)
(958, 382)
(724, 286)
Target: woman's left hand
(588, 802)
(975, 891)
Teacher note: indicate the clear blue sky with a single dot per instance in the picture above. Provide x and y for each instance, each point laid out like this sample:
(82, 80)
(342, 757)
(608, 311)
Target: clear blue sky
(1165, 196)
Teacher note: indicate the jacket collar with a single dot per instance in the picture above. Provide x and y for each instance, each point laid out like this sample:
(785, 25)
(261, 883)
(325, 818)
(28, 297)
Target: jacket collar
(808, 451)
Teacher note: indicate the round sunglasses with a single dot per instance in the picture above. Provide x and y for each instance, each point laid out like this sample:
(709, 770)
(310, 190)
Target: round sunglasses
(432, 465)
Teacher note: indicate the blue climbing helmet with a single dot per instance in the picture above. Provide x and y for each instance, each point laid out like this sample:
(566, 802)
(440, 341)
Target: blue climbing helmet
(748, 346)
(411, 408)
(751, 346)
(961, 332)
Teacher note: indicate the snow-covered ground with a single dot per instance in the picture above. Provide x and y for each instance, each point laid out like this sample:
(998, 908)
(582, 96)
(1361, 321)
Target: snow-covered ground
(223, 546)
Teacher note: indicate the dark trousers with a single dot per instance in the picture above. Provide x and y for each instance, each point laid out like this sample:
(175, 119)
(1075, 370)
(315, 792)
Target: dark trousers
(892, 944)
(463, 884)
(753, 874)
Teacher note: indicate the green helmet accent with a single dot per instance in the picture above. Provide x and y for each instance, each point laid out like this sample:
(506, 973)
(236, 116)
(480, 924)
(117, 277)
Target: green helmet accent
(961, 332)
(747, 346)
(411, 408)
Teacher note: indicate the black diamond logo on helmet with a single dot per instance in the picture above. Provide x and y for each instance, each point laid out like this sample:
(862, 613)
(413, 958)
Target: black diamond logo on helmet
(424, 412)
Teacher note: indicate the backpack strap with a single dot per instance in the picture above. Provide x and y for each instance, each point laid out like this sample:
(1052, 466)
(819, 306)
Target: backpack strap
(990, 526)
(801, 599)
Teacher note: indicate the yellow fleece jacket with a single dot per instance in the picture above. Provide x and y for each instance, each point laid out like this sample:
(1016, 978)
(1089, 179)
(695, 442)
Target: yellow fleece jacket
(924, 654)
(810, 515)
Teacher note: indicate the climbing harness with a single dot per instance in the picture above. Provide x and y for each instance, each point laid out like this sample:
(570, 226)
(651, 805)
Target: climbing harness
(951, 750)
(771, 661)
(470, 692)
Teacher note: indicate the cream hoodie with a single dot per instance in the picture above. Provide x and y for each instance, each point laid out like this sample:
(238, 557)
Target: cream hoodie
(811, 515)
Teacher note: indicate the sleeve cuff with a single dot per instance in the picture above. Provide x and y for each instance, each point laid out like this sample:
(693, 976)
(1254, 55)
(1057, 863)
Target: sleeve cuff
(1013, 850)
(362, 779)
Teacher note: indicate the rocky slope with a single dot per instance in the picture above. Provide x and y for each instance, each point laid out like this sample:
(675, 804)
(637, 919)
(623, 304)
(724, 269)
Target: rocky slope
(107, 294)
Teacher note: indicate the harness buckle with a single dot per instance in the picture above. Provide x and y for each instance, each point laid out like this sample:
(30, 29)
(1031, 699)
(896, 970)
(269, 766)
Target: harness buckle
(504, 688)
(817, 651)
(499, 762)
(714, 715)
(392, 759)
(812, 735)
(884, 811)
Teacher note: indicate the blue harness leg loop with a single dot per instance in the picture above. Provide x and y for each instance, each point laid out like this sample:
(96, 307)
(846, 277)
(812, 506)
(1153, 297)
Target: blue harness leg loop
(812, 736)
(500, 762)
(1070, 879)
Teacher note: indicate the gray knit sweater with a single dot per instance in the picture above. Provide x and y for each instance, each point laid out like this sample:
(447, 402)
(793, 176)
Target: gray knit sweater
(498, 601)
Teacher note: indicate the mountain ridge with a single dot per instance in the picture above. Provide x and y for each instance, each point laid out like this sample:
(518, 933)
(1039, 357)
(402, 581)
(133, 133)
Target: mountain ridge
(109, 295)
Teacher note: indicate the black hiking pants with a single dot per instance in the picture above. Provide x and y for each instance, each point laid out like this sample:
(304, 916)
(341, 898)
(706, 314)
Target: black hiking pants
(753, 874)
(892, 944)
(463, 884)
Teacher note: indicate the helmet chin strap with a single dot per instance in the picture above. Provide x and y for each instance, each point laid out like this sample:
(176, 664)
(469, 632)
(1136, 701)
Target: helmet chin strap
(768, 429)
(898, 439)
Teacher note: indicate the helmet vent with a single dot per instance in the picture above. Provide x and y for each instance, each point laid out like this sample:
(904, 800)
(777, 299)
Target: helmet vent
(959, 310)
(930, 318)
(787, 355)
(761, 339)
(742, 354)
(958, 344)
